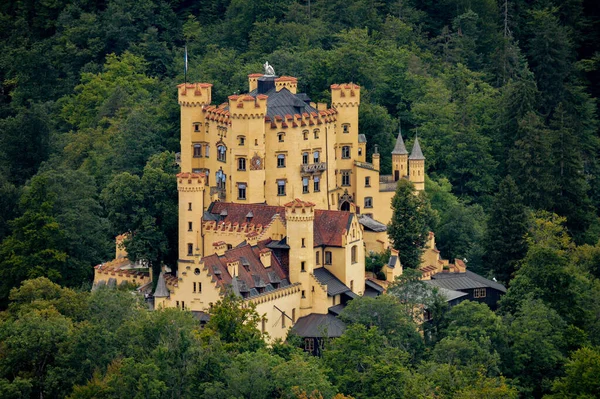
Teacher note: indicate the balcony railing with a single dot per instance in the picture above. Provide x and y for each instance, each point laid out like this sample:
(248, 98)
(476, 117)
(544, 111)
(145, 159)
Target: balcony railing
(386, 179)
(313, 167)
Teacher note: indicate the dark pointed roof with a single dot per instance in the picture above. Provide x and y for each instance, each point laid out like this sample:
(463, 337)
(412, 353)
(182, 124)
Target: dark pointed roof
(161, 287)
(399, 148)
(416, 152)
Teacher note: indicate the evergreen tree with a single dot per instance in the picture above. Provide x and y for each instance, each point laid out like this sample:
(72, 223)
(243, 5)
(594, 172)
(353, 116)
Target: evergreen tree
(409, 228)
(505, 242)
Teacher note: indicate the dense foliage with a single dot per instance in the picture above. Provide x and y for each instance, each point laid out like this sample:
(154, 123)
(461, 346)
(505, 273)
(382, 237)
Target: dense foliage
(503, 94)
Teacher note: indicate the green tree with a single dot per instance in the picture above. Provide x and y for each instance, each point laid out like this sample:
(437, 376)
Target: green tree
(410, 225)
(235, 325)
(505, 243)
(581, 379)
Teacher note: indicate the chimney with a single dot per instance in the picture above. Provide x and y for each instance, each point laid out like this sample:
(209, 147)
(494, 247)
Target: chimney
(265, 257)
(220, 247)
(233, 268)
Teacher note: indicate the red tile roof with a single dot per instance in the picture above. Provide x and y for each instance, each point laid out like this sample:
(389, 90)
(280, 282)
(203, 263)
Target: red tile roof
(217, 266)
(329, 226)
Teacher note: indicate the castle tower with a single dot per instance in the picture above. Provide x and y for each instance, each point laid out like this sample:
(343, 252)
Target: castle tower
(191, 204)
(247, 115)
(192, 97)
(253, 81)
(416, 166)
(300, 218)
(399, 158)
(288, 82)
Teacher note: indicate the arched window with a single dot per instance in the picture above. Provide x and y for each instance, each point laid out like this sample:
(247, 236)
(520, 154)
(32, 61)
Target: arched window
(222, 153)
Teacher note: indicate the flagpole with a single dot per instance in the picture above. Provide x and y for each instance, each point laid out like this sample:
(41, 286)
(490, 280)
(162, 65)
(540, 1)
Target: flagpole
(186, 65)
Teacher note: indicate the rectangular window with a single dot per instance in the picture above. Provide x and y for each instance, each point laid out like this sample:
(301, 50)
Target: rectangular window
(194, 287)
(182, 305)
(197, 150)
(346, 152)
(199, 287)
(241, 140)
(345, 177)
(345, 128)
(309, 345)
(294, 315)
(479, 293)
(305, 158)
(316, 157)
(241, 163)
(206, 147)
(264, 325)
(328, 257)
(280, 187)
(303, 294)
(242, 191)
(281, 137)
(305, 134)
(367, 181)
(190, 226)
(302, 266)
(281, 161)
(317, 184)
(196, 127)
(304, 185)
(318, 258)
(303, 246)
(368, 202)
(189, 206)
(354, 254)
(316, 132)
(190, 248)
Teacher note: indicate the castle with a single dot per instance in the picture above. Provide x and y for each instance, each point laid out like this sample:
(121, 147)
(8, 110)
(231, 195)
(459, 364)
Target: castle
(278, 204)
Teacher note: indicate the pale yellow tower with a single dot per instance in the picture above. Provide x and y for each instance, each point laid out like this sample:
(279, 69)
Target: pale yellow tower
(416, 166)
(399, 159)
(300, 218)
(192, 97)
(191, 204)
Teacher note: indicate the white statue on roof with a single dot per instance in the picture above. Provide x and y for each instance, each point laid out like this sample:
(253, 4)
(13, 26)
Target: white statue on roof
(269, 71)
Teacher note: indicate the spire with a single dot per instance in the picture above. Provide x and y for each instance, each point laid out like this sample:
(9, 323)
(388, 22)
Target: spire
(416, 152)
(161, 290)
(399, 148)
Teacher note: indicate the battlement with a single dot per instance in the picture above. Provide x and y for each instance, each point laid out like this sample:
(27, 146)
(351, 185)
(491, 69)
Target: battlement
(217, 114)
(245, 106)
(299, 210)
(191, 181)
(194, 94)
(288, 82)
(345, 95)
(233, 228)
(314, 119)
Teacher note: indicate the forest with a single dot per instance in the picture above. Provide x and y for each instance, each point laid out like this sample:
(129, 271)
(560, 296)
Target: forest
(502, 93)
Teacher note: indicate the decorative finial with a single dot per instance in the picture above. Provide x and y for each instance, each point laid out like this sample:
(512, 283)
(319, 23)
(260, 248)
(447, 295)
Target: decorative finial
(269, 71)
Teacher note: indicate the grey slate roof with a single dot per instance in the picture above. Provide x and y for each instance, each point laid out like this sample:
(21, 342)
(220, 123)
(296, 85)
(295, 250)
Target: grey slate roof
(416, 152)
(337, 309)
(201, 316)
(464, 281)
(373, 285)
(279, 244)
(371, 224)
(399, 148)
(450, 295)
(362, 138)
(319, 325)
(334, 285)
(284, 102)
(161, 290)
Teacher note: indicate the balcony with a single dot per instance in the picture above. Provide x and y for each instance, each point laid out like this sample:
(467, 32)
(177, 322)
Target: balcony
(313, 167)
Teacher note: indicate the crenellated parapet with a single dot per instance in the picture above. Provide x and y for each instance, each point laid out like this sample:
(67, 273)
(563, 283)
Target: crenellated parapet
(275, 294)
(345, 95)
(301, 120)
(194, 94)
(217, 114)
(248, 107)
(190, 182)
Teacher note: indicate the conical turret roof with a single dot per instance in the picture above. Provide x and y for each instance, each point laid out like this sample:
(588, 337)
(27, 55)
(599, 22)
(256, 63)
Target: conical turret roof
(161, 290)
(399, 148)
(416, 152)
